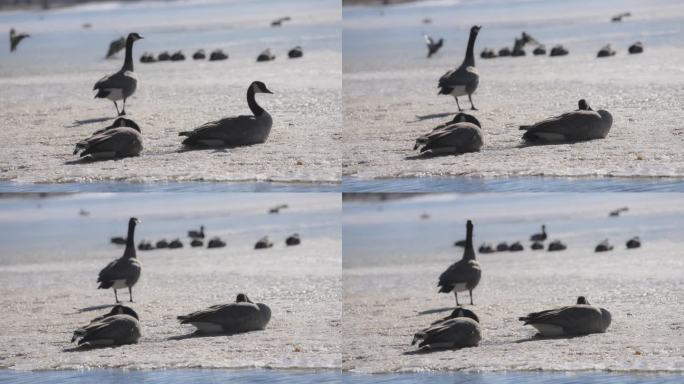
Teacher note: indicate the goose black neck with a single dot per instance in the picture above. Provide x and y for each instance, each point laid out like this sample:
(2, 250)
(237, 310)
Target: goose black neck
(469, 56)
(128, 62)
(251, 101)
(469, 242)
(130, 241)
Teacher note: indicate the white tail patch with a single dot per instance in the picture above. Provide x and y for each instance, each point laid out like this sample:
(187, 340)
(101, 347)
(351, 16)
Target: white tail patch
(549, 330)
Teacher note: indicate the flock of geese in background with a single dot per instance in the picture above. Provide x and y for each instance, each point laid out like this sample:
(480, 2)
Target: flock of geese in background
(462, 327)
(464, 134)
(122, 324)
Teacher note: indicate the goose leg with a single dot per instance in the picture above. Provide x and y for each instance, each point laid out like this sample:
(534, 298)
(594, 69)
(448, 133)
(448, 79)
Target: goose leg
(123, 110)
(130, 294)
(471, 103)
(456, 296)
(471, 297)
(116, 297)
(457, 104)
(117, 108)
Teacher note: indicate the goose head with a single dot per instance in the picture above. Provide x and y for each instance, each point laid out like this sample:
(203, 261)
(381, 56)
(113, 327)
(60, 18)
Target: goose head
(122, 310)
(134, 36)
(475, 29)
(260, 87)
(582, 105)
(462, 312)
(582, 300)
(133, 221)
(124, 122)
(242, 298)
(469, 225)
(466, 118)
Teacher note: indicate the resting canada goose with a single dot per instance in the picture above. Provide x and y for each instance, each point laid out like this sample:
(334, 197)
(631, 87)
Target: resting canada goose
(125, 271)
(122, 84)
(558, 50)
(148, 58)
(178, 56)
(196, 243)
(580, 319)
(115, 46)
(15, 39)
(582, 124)
(502, 247)
(604, 246)
(460, 243)
(463, 275)
(518, 48)
(463, 80)
(121, 139)
(487, 54)
(118, 240)
(199, 55)
(264, 242)
(145, 246)
(176, 243)
(486, 248)
(235, 130)
(218, 55)
(266, 55)
(432, 46)
(295, 52)
(241, 316)
(606, 51)
(634, 242)
(162, 244)
(216, 243)
(461, 135)
(505, 51)
(537, 245)
(557, 245)
(539, 236)
(119, 326)
(540, 50)
(164, 56)
(636, 48)
(197, 234)
(516, 247)
(293, 240)
(458, 330)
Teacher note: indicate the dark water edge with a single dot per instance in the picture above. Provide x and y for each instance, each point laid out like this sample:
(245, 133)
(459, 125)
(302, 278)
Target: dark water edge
(514, 184)
(107, 376)
(193, 186)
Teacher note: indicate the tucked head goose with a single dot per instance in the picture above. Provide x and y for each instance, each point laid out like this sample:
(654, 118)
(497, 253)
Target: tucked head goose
(218, 55)
(460, 329)
(461, 135)
(634, 242)
(606, 51)
(125, 271)
(264, 242)
(118, 240)
(636, 48)
(558, 50)
(516, 247)
(518, 48)
(463, 80)
(295, 52)
(486, 248)
(121, 139)
(199, 55)
(537, 245)
(539, 236)
(579, 319)
(266, 55)
(122, 84)
(582, 124)
(502, 246)
(196, 243)
(164, 56)
(241, 316)
(604, 246)
(293, 240)
(216, 243)
(145, 246)
(178, 56)
(432, 46)
(120, 328)
(197, 234)
(162, 244)
(505, 51)
(460, 243)
(463, 275)
(487, 54)
(236, 130)
(15, 39)
(557, 245)
(115, 46)
(540, 50)
(176, 243)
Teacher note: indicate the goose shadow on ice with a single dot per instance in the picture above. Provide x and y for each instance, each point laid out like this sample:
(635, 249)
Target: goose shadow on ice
(78, 123)
(439, 115)
(436, 310)
(94, 308)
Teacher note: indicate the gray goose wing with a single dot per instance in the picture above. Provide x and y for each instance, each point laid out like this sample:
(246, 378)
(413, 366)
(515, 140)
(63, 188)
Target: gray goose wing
(463, 75)
(573, 319)
(123, 268)
(116, 140)
(124, 80)
(461, 271)
(115, 328)
(229, 129)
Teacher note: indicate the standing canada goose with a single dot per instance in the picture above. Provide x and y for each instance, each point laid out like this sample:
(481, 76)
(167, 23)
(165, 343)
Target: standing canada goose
(604, 246)
(582, 124)
(121, 139)
(540, 50)
(216, 243)
(486, 248)
(502, 247)
(461, 135)
(295, 52)
(263, 243)
(518, 48)
(125, 271)
(176, 243)
(558, 50)
(432, 46)
(459, 330)
(266, 55)
(293, 240)
(464, 79)
(15, 39)
(122, 84)
(487, 54)
(241, 316)
(178, 56)
(115, 46)
(580, 319)
(112, 329)
(634, 242)
(164, 56)
(606, 51)
(161, 244)
(199, 55)
(539, 236)
(197, 234)
(516, 247)
(196, 243)
(537, 245)
(235, 131)
(463, 275)
(636, 48)
(557, 245)
(218, 55)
